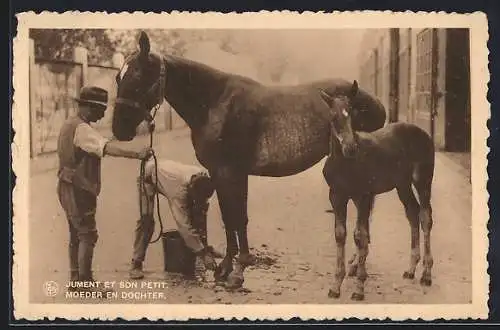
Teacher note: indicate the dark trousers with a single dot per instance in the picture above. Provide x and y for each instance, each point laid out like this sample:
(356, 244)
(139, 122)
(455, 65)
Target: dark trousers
(80, 208)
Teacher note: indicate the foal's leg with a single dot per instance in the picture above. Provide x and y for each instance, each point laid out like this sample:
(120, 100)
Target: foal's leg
(353, 265)
(426, 221)
(411, 206)
(364, 204)
(353, 262)
(339, 204)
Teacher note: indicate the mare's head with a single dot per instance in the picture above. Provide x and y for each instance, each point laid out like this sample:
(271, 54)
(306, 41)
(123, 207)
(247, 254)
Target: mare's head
(341, 120)
(140, 85)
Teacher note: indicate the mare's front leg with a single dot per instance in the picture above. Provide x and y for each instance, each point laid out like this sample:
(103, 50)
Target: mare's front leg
(339, 204)
(222, 180)
(364, 204)
(239, 206)
(232, 190)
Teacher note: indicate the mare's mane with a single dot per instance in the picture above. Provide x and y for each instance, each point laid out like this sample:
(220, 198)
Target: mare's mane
(182, 62)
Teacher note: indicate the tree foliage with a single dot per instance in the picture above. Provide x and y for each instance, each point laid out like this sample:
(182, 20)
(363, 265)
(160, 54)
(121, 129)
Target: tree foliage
(162, 41)
(103, 43)
(60, 43)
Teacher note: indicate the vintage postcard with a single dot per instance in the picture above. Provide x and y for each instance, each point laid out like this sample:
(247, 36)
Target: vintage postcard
(265, 166)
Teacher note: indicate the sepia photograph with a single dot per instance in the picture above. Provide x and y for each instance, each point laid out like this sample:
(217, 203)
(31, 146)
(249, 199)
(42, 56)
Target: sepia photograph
(214, 165)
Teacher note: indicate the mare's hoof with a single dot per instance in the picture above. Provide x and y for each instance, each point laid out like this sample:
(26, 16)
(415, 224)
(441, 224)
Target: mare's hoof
(425, 281)
(222, 272)
(218, 275)
(220, 283)
(247, 259)
(234, 282)
(357, 296)
(352, 270)
(409, 275)
(333, 294)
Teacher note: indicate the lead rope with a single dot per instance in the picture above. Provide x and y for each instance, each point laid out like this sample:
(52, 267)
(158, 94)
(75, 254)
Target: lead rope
(143, 184)
(143, 162)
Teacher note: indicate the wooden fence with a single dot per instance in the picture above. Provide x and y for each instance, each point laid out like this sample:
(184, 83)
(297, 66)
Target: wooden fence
(53, 86)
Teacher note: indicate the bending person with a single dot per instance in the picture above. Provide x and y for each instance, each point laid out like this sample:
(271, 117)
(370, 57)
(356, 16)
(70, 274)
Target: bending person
(188, 189)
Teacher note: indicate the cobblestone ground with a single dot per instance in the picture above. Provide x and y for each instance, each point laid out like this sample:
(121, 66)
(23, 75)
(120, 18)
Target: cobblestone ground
(289, 230)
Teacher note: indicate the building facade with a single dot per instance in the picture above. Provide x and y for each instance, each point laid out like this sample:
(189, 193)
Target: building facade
(422, 76)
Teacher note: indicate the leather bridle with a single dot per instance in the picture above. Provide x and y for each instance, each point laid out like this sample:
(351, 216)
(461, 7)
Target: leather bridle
(141, 105)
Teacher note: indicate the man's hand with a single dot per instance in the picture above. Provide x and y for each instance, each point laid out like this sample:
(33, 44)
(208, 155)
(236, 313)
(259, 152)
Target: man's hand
(145, 153)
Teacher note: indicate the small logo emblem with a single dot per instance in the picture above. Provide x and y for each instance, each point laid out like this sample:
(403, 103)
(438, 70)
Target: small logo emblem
(51, 288)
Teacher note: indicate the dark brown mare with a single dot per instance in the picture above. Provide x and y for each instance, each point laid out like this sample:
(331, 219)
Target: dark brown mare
(239, 127)
(363, 165)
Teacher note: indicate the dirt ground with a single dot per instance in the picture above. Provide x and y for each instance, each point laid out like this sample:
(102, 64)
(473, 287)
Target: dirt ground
(289, 231)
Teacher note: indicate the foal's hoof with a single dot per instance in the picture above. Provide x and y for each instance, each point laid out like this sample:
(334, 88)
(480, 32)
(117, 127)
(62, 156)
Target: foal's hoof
(357, 296)
(409, 275)
(353, 269)
(426, 281)
(234, 282)
(333, 294)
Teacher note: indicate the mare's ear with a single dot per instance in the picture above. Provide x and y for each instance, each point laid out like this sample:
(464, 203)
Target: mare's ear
(354, 89)
(326, 98)
(144, 45)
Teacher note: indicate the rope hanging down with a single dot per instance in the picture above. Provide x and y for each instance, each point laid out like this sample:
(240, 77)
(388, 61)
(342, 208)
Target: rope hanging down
(142, 189)
(160, 84)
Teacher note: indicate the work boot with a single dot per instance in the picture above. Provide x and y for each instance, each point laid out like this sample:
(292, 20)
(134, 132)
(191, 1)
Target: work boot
(136, 272)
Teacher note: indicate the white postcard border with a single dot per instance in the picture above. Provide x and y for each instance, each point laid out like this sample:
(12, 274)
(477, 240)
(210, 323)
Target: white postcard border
(477, 22)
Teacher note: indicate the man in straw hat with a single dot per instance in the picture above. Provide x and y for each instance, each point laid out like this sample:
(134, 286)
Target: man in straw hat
(80, 149)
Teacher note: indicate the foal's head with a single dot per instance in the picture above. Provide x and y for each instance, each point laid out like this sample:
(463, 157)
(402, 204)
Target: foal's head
(340, 112)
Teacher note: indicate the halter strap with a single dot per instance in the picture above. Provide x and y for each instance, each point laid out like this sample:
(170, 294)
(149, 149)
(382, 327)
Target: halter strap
(141, 105)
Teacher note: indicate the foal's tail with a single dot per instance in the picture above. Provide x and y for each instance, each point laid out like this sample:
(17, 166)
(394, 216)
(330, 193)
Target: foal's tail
(423, 170)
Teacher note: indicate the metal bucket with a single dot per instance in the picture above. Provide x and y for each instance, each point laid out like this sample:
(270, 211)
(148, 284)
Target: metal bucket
(178, 258)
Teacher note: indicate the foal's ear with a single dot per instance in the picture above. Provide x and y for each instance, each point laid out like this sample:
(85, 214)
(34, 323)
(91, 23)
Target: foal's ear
(354, 89)
(144, 45)
(326, 98)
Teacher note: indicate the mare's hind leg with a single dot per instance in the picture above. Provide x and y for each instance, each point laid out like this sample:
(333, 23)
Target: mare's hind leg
(339, 204)
(364, 204)
(426, 221)
(411, 206)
